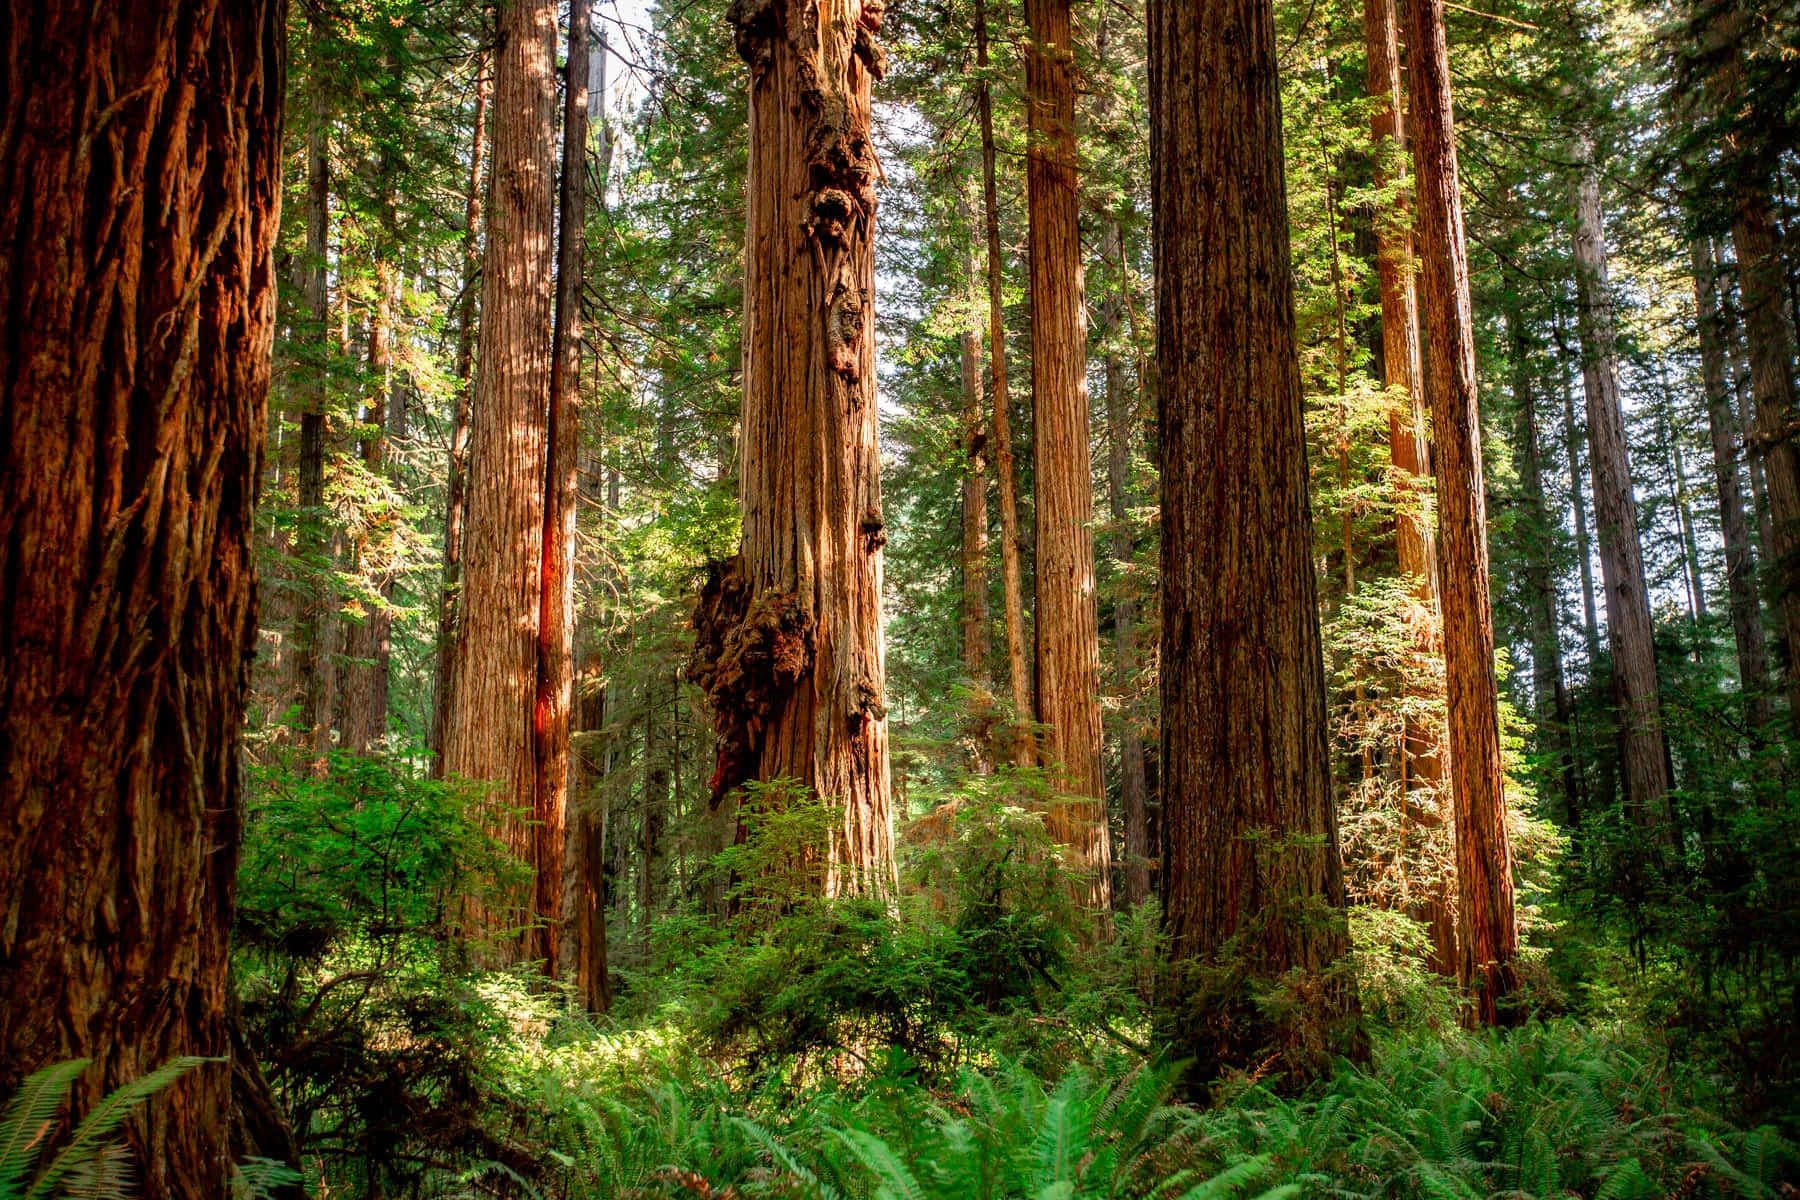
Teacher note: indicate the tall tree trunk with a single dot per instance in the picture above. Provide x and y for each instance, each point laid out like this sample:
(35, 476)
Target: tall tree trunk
(1121, 426)
(141, 205)
(1550, 694)
(1740, 559)
(362, 700)
(1252, 883)
(1684, 510)
(1488, 939)
(1012, 568)
(1772, 383)
(1420, 756)
(457, 482)
(790, 648)
(975, 635)
(1068, 620)
(554, 708)
(1628, 624)
(310, 673)
(488, 731)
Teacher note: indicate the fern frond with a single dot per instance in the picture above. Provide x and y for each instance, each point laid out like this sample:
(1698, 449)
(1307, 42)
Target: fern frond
(29, 1116)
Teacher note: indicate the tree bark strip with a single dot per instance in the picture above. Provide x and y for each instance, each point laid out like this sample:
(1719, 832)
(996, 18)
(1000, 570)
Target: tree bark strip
(141, 170)
(1487, 933)
(1252, 883)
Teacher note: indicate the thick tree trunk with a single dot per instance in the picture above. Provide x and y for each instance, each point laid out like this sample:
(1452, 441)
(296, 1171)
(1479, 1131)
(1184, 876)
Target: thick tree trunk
(1630, 631)
(489, 728)
(1012, 567)
(1068, 620)
(1420, 756)
(1550, 695)
(457, 481)
(141, 199)
(1740, 559)
(1488, 939)
(790, 648)
(1252, 884)
(975, 632)
(1772, 383)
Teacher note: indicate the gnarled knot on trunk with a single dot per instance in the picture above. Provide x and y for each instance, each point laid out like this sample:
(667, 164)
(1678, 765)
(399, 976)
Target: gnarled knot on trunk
(844, 331)
(874, 530)
(750, 651)
(868, 707)
(754, 26)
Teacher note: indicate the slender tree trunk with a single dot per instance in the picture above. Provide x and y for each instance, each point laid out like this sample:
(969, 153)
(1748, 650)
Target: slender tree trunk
(1121, 424)
(1740, 559)
(1628, 624)
(1772, 383)
(1684, 510)
(554, 707)
(593, 982)
(142, 190)
(310, 674)
(489, 728)
(1488, 939)
(457, 483)
(790, 648)
(362, 700)
(1252, 883)
(1421, 754)
(975, 636)
(1012, 568)
(1068, 621)
(1549, 693)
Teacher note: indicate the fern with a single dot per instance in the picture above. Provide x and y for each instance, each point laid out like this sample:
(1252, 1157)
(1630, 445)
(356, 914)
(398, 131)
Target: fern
(29, 1117)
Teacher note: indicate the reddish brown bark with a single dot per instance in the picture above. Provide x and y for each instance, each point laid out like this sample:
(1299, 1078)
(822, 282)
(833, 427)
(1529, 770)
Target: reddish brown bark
(1252, 883)
(790, 648)
(1066, 611)
(488, 729)
(141, 168)
(1012, 567)
(976, 638)
(1488, 939)
(1420, 756)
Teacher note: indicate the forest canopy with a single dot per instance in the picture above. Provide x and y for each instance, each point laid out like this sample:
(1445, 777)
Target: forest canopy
(800, 598)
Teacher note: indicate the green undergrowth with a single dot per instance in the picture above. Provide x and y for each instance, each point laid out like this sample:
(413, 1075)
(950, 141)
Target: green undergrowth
(1549, 1111)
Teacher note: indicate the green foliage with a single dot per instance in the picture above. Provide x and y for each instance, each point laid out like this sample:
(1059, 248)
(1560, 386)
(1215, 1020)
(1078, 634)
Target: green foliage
(37, 1161)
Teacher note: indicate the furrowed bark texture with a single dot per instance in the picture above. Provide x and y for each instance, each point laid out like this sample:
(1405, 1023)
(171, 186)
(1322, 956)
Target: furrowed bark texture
(456, 484)
(1012, 567)
(1421, 754)
(140, 155)
(1742, 600)
(1754, 236)
(1252, 884)
(1068, 619)
(556, 571)
(1630, 632)
(1487, 933)
(488, 730)
(794, 663)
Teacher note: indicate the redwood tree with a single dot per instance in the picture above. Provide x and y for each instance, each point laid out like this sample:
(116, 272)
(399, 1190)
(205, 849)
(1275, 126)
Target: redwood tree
(1488, 939)
(488, 726)
(1068, 619)
(790, 644)
(137, 290)
(1252, 884)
